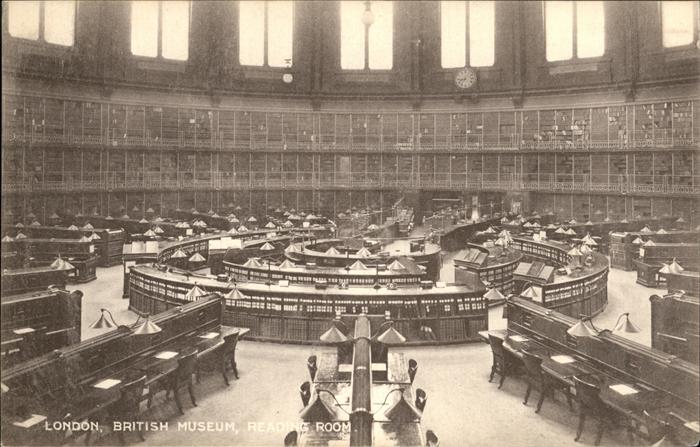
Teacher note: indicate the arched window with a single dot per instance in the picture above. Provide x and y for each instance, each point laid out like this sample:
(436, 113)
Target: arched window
(366, 35)
(467, 25)
(265, 33)
(574, 29)
(49, 21)
(160, 29)
(678, 23)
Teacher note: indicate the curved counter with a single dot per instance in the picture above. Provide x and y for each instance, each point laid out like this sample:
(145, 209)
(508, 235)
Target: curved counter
(406, 273)
(300, 313)
(582, 291)
(422, 253)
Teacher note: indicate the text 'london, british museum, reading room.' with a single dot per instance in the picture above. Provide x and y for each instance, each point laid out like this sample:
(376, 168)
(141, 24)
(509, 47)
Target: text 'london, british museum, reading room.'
(350, 223)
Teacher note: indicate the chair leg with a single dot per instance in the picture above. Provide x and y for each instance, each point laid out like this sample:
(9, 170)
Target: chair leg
(543, 392)
(568, 399)
(503, 379)
(191, 390)
(234, 367)
(141, 436)
(493, 371)
(527, 393)
(581, 422)
(87, 437)
(177, 401)
(601, 429)
(223, 371)
(120, 435)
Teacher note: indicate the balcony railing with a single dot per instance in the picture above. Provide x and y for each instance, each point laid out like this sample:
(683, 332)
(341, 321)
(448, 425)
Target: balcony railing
(441, 143)
(115, 181)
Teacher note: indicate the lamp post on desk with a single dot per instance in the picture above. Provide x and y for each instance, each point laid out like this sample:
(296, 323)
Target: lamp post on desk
(145, 328)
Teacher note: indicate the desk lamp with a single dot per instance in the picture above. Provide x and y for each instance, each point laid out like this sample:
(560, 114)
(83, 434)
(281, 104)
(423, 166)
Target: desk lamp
(580, 329)
(625, 325)
(146, 327)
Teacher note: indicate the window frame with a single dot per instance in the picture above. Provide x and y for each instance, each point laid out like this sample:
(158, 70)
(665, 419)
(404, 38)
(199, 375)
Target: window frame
(366, 68)
(41, 38)
(574, 32)
(467, 39)
(159, 54)
(696, 29)
(266, 63)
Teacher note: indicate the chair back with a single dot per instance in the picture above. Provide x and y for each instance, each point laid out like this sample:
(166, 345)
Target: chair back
(656, 429)
(588, 394)
(533, 365)
(496, 347)
(412, 369)
(230, 342)
(291, 439)
(421, 399)
(131, 395)
(186, 366)
(431, 439)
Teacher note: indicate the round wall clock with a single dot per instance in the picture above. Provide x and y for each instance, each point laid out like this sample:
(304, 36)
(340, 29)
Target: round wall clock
(465, 78)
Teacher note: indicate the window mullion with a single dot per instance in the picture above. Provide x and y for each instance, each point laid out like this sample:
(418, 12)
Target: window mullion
(160, 29)
(266, 30)
(42, 22)
(574, 38)
(467, 35)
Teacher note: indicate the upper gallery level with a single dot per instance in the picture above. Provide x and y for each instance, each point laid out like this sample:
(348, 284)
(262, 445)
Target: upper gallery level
(44, 119)
(416, 50)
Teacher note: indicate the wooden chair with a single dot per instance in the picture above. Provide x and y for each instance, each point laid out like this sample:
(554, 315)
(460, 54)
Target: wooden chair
(590, 404)
(291, 439)
(412, 369)
(228, 357)
(186, 368)
(125, 409)
(421, 399)
(312, 366)
(538, 380)
(655, 429)
(431, 439)
(502, 363)
(305, 393)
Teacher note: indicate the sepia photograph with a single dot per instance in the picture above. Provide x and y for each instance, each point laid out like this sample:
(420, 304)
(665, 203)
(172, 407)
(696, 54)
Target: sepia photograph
(409, 223)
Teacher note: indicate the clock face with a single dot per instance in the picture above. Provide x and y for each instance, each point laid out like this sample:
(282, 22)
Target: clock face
(465, 78)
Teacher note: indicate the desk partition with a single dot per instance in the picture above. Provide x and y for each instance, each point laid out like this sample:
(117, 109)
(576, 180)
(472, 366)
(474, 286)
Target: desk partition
(619, 357)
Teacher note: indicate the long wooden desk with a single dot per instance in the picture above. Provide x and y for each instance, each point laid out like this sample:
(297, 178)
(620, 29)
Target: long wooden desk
(75, 382)
(629, 398)
(347, 389)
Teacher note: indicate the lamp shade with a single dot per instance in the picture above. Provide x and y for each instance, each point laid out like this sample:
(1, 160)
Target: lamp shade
(494, 295)
(625, 325)
(580, 329)
(147, 327)
(333, 335)
(391, 337)
(103, 322)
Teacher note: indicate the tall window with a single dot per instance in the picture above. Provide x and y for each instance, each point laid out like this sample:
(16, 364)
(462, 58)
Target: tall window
(49, 21)
(574, 29)
(160, 28)
(467, 24)
(678, 23)
(366, 35)
(265, 33)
